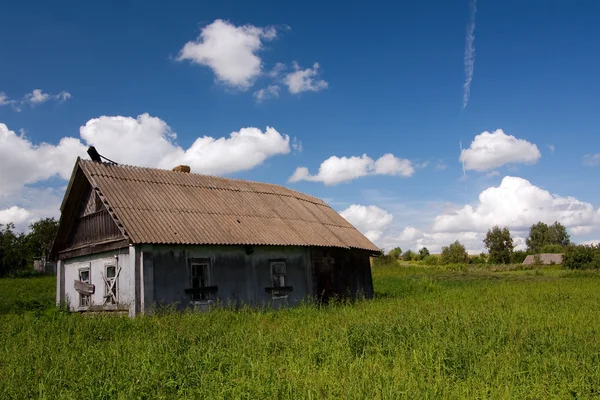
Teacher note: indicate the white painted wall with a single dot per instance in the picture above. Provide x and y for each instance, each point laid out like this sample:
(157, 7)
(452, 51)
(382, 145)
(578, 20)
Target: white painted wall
(97, 263)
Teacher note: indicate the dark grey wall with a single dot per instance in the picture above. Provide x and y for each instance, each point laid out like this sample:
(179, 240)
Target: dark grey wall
(241, 278)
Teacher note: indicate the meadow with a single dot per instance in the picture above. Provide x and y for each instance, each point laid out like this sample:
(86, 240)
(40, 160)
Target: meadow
(431, 332)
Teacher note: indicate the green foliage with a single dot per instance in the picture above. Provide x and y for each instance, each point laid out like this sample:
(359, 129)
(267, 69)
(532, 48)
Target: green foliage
(499, 244)
(582, 257)
(384, 259)
(17, 250)
(423, 252)
(541, 234)
(429, 333)
(477, 260)
(395, 253)
(537, 260)
(518, 256)
(408, 255)
(18, 295)
(552, 249)
(430, 260)
(455, 253)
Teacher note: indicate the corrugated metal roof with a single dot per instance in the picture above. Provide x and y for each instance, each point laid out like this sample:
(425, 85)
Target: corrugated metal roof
(167, 207)
(546, 259)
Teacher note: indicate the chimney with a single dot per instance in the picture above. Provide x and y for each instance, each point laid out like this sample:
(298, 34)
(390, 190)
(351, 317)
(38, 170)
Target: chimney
(182, 168)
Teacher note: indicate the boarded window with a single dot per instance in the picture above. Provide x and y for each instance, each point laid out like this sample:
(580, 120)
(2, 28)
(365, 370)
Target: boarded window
(111, 285)
(278, 278)
(200, 279)
(84, 299)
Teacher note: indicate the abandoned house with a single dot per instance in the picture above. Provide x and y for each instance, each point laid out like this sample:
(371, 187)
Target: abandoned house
(131, 239)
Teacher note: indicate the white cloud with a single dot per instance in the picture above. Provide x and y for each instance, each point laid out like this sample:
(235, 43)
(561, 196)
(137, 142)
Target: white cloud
(303, 80)
(591, 160)
(14, 214)
(594, 242)
(37, 96)
(29, 163)
(370, 220)
(270, 92)
(469, 54)
(4, 100)
(145, 141)
(552, 148)
(336, 170)
(149, 141)
(518, 204)
(230, 51)
(493, 150)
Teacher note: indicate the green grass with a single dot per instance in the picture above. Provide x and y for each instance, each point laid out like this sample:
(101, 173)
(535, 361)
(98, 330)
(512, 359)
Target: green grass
(24, 294)
(431, 332)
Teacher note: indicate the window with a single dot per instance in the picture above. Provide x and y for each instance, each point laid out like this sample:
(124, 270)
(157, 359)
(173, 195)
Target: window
(111, 285)
(278, 278)
(199, 279)
(84, 299)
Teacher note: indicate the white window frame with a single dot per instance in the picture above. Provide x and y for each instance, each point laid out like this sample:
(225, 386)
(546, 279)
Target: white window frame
(278, 279)
(85, 300)
(114, 281)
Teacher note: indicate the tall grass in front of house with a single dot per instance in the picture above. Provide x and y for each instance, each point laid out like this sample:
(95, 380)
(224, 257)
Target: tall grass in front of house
(429, 333)
(25, 294)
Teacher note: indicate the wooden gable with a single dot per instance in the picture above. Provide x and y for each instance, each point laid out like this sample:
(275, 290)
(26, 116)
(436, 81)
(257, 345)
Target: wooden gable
(85, 226)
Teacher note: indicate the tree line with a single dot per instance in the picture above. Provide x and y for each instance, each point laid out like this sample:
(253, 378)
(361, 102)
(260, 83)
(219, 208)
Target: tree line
(542, 238)
(18, 249)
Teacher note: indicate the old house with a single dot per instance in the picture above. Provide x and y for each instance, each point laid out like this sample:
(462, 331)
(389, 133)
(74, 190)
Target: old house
(545, 259)
(133, 238)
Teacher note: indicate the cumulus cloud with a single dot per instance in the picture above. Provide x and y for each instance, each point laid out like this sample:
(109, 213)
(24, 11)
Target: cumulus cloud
(144, 141)
(336, 170)
(493, 150)
(37, 96)
(518, 204)
(230, 51)
(29, 163)
(591, 160)
(369, 220)
(4, 100)
(14, 214)
(270, 92)
(304, 80)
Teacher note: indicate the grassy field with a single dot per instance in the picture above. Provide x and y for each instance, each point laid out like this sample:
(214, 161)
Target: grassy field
(431, 332)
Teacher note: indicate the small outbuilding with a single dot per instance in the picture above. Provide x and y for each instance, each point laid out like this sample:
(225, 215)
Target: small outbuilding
(131, 239)
(546, 259)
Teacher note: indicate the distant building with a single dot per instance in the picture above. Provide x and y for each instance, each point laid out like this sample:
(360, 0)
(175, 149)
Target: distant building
(133, 238)
(546, 259)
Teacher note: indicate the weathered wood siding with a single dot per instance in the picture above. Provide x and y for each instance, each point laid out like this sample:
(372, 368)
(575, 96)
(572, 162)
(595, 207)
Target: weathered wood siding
(241, 278)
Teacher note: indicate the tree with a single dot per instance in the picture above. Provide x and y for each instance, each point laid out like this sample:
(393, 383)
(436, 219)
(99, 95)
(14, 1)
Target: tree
(408, 255)
(518, 256)
(13, 252)
(423, 252)
(541, 234)
(455, 253)
(395, 253)
(41, 236)
(499, 245)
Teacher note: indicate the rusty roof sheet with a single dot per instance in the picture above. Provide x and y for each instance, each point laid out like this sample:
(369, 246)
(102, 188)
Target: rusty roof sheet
(167, 207)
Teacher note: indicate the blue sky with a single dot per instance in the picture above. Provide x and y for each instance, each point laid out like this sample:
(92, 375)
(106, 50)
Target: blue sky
(390, 80)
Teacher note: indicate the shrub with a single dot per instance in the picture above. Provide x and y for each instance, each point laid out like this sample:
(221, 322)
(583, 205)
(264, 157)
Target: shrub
(408, 255)
(518, 256)
(423, 252)
(383, 260)
(553, 249)
(395, 253)
(477, 260)
(537, 260)
(582, 257)
(430, 260)
(455, 253)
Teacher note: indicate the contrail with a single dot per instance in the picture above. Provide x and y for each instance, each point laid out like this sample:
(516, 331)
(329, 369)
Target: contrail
(469, 53)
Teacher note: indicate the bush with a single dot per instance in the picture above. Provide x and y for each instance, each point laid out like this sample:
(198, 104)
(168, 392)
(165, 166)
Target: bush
(395, 253)
(455, 253)
(430, 260)
(553, 249)
(582, 257)
(383, 260)
(518, 256)
(423, 252)
(477, 260)
(408, 255)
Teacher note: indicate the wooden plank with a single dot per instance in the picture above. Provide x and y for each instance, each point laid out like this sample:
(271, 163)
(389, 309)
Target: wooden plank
(84, 288)
(93, 248)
